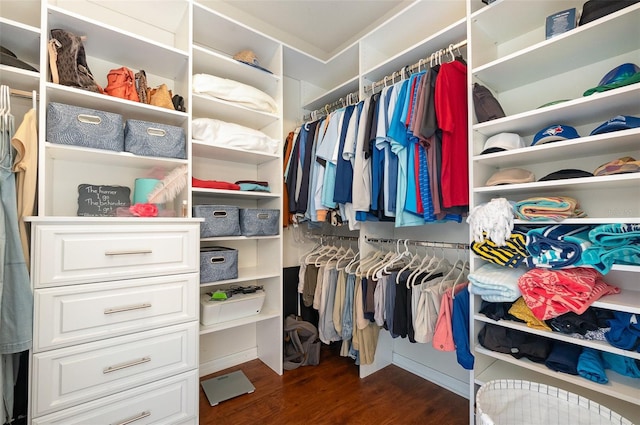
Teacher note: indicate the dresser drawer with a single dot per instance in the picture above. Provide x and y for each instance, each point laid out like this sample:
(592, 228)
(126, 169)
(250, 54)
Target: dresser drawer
(72, 254)
(70, 315)
(167, 401)
(70, 376)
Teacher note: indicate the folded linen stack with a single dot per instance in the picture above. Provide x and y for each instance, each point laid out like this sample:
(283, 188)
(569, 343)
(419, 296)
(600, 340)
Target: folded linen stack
(495, 283)
(557, 246)
(613, 243)
(548, 208)
(550, 293)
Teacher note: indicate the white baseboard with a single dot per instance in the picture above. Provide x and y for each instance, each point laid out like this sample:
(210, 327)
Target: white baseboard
(217, 365)
(445, 381)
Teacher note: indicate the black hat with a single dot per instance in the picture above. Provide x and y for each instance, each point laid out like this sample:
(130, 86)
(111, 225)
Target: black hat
(567, 173)
(7, 57)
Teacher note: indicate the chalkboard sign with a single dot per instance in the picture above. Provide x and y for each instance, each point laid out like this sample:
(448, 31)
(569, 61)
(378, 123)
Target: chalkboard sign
(102, 201)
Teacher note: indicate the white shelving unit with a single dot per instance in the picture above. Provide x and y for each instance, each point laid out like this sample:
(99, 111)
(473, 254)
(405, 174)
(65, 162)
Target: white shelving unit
(510, 56)
(259, 258)
(133, 259)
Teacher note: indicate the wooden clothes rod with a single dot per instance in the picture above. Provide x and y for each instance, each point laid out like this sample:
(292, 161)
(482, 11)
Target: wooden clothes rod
(22, 93)
(411, 68)
(431, 244)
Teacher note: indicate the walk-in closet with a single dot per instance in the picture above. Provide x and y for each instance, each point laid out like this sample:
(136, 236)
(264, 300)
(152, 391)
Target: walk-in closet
(191, 188)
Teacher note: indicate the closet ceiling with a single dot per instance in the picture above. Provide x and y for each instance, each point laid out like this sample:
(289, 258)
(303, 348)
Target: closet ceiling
(319, 28)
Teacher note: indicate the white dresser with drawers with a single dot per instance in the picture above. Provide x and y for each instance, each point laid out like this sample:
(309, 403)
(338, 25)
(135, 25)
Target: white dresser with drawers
(116, 321)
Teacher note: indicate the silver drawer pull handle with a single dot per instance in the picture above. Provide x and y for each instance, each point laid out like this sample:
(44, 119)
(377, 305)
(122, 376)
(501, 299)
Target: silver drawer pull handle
(217, 260)
(151, 131)
(89, 119)
(126, 308)
(219, 213)
(126, 365)
(142, 415)
(141, 251)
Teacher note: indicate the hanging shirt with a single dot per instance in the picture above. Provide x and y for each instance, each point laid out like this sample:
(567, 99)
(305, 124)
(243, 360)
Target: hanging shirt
(25, 167)
(399, 145)
(362, 163)
(451, 111)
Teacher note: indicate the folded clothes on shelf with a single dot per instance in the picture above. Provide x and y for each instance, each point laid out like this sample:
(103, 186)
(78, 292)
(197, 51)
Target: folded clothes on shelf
(623, 365)
(213, 184)
(591, 366)
(495, 283)
(557, 246)
(564, 357)
(625, 331)
(512, 253)
(614, 243)
(234, 91)
(550, 293)
(231, 135)
(548, 208)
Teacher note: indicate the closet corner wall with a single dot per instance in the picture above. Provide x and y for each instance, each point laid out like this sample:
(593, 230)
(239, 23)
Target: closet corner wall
(386, 49)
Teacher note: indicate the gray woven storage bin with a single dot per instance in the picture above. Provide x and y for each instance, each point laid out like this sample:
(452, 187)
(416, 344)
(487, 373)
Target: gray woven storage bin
(259, 221)
(154, 139)
(219, 220)
(88, 128)
(218, 263)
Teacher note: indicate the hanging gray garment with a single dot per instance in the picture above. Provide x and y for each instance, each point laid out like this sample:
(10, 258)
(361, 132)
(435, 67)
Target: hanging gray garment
(16, 297)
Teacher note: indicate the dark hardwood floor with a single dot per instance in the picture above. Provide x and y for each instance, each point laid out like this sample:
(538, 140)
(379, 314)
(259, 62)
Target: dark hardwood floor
(332, 393)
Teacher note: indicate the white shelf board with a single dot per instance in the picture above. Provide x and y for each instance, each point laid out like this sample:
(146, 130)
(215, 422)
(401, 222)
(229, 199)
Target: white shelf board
(452, 34)
(238, 238)
(503, 370)
(210, 28)
(630, 180)
(23, 40)
(121, 47)
(205, 106)
(349, 86)
(245, 274)
(223, 153)
(240, 194)
(105, 158)
(599, 107)
(239, 322)
(210, 62)
(621, 387)
(600, 144)
(18, 78)
(127, 108)
(620, 32)
(498, 23)
(598, 345)
(582, 221)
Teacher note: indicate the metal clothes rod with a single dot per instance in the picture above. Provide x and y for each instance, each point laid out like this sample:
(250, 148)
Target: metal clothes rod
(431, 244)
(411, 68)
(336, 237)
(350, 99)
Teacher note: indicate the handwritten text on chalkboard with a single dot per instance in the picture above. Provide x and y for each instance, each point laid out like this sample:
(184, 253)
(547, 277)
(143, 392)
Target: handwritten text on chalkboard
(102, 201)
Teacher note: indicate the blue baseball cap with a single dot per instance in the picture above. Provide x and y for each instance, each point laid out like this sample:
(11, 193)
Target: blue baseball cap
(619, 73)
(555, 133)
(620, 122)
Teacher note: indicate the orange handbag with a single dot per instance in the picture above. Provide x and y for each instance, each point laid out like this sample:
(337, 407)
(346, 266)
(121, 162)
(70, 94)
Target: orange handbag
(121, 83)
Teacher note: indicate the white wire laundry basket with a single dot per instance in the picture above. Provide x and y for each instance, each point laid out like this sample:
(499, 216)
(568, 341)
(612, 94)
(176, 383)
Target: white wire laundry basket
(517, 402)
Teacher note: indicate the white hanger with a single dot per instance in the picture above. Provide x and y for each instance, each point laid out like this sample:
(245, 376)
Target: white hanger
(347, 257)
(353, 263)
(415, 260)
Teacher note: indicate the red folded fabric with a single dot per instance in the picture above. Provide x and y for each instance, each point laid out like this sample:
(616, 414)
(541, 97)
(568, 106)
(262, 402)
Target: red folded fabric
(213, 184)
(551, 293)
